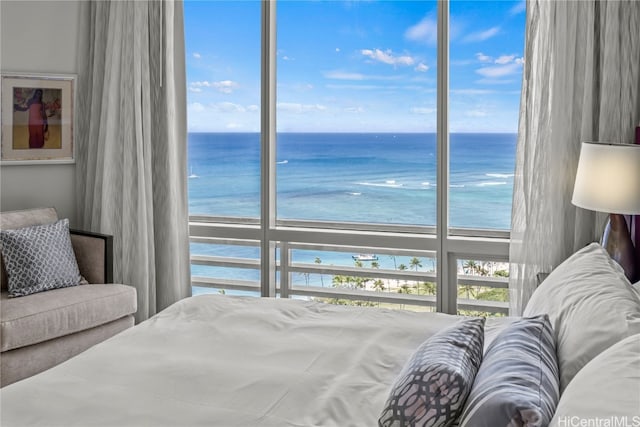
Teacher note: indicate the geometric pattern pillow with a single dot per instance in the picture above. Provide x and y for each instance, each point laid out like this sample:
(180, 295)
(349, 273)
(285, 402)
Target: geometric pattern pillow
(39, 258)
(436, 380)
(518, 383)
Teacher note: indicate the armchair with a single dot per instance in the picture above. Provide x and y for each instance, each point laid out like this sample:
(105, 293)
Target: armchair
(43, 329)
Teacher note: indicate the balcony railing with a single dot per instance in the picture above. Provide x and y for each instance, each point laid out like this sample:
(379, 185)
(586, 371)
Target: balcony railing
(300, 278)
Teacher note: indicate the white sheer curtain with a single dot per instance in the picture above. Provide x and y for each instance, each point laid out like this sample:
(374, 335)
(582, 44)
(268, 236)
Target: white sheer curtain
(581, 82)
(131, 143)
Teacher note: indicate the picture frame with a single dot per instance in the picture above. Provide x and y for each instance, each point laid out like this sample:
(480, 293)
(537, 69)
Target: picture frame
(37, 118)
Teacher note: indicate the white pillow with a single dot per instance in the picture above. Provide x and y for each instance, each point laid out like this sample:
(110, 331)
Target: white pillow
(607, 388)
(591, 306)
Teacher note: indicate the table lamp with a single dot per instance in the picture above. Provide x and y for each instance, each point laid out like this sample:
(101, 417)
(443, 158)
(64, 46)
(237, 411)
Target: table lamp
(608, 180)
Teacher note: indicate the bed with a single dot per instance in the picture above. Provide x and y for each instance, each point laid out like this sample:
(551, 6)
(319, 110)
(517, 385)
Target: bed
(239, 361)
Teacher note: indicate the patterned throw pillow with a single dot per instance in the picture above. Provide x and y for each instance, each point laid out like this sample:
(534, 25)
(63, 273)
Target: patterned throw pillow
(39, 258)
(518, 382)
(435, 382)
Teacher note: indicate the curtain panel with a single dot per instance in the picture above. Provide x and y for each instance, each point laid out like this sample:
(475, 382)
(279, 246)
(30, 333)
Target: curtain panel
(131, 169)
(581, 82)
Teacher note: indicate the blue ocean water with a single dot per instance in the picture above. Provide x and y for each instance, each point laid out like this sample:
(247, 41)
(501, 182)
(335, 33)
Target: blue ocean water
(364, 177)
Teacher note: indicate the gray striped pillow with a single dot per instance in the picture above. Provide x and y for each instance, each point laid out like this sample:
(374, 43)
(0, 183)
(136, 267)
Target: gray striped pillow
(518, 382)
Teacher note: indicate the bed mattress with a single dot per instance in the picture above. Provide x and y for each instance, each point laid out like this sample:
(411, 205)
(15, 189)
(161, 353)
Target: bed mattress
(232, 361)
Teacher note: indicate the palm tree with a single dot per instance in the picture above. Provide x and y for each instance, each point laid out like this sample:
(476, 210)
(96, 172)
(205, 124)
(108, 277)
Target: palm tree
(378, 285)
(429, 288)
(402, 267)
(375, 264)
(393, 257)
(415, 263)
(404, 289)
(470, 267)
(319, 261)
(338, 281)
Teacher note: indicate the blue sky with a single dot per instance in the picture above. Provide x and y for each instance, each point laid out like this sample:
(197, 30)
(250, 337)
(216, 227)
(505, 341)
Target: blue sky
(355, 66)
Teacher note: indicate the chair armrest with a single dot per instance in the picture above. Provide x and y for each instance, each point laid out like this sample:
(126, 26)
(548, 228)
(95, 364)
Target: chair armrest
(94, 254)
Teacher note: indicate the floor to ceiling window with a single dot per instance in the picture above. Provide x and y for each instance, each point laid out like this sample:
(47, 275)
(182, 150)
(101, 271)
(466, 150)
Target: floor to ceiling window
(354, 152)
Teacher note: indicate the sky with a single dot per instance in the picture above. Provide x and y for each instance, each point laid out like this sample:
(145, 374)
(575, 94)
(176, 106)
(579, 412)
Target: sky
(355, 66)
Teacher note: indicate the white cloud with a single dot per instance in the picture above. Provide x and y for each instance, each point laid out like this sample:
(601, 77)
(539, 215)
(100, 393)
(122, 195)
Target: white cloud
(292, 107)
(472, 91)
(387, 57)
(482, 57)
(341, 75)
(475, 113)
(228, 107)
(505, 59)
(499, 70)
(424, 31)
(197, 55)
(224, 86)
(203, 83)
(480, 36)
(344, 75)
(494, 81)
(518, 8)
(196, 107)
(354, 110)
(355, 87)
(337, 49)
(422, 110)
(421, 67)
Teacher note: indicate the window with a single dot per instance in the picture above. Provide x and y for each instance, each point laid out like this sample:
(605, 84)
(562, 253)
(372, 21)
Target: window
(485, 69)
(366, 158)
(356, 112)
(223, 112)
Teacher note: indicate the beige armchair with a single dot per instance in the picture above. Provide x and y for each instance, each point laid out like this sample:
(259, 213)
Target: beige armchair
(43, 329)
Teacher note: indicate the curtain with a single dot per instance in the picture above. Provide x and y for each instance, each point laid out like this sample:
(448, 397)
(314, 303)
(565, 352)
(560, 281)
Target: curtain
(581, 82)
(131, 167)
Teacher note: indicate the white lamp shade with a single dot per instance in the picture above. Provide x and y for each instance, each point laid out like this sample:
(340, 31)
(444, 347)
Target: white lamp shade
(608, 178)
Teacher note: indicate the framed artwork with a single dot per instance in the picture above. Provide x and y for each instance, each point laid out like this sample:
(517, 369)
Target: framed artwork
(37, 118)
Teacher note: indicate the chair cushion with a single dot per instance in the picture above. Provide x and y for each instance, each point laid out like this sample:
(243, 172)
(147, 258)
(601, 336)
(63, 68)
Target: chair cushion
(58, 312)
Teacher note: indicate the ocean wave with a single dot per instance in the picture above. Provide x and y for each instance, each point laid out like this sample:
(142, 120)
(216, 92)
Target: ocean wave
(354, 193)
(284, 162)
(499, 175)
(456, 185)
(388, 184)
(490, 183)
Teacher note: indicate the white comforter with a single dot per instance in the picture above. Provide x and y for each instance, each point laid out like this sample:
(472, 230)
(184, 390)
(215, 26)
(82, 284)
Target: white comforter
(231, 361)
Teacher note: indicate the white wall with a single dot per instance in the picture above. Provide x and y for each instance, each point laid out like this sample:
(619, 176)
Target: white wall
(39, 36)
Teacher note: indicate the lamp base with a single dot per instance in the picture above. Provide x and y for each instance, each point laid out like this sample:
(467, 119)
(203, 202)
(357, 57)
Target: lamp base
(617, 241)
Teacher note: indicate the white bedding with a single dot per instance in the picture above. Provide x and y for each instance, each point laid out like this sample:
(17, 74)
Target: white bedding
(232, 361)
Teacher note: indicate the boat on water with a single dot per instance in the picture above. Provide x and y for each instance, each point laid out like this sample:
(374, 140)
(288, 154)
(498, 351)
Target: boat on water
(365, 257)
(193, 175)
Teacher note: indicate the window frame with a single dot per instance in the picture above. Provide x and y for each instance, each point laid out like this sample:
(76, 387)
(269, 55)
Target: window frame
(449, 244)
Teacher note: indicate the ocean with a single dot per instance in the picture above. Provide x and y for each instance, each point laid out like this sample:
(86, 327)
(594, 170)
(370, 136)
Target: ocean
(356, 177)
(379, 178)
